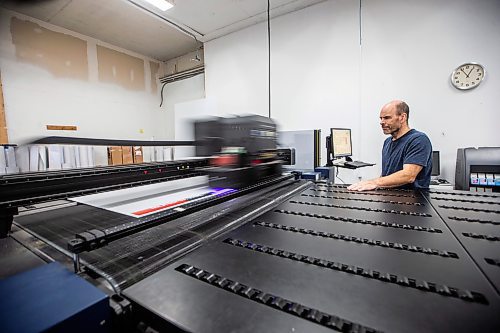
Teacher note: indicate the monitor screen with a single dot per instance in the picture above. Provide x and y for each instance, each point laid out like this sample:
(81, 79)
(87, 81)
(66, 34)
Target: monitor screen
(435, 164)
(341, 142)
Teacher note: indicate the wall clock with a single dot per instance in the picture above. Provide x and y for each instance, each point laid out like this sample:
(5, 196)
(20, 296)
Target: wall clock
(467, 76)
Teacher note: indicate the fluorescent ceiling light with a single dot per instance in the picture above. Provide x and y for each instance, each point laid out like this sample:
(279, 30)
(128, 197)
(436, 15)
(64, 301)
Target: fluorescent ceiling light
(162, 4)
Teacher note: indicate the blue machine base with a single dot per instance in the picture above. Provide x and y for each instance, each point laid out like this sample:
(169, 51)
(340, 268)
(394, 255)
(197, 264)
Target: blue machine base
(51, 298)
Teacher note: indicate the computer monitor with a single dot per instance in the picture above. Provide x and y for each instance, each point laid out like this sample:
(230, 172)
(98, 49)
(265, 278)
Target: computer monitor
(341, 143)
(435, 164)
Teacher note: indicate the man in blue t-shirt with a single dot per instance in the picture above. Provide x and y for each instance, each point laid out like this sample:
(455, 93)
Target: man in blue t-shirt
(406, 155)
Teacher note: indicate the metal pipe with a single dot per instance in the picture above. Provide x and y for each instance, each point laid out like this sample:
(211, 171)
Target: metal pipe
(183, 75)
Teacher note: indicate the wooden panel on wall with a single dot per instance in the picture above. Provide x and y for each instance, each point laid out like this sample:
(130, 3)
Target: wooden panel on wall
(61, 54)
(3, 123)
(120, 68)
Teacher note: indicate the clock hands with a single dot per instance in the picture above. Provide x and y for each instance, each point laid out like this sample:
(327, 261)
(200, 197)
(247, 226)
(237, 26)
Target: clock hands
(467, 75)
(470, 71)
(464, 72)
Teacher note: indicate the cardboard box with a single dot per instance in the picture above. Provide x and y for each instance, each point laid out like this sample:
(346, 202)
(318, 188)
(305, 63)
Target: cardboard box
(127, 155)
(115, 155)
(137, 154)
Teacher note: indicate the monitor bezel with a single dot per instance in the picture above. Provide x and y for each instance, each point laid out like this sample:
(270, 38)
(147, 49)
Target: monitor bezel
(333, 146)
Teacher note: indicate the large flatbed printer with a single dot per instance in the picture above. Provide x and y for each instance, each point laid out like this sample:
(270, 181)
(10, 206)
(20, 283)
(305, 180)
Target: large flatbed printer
(281, 255)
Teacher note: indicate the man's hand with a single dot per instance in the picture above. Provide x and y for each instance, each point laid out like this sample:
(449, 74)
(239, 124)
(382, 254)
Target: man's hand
(365, 185)
(398, 178)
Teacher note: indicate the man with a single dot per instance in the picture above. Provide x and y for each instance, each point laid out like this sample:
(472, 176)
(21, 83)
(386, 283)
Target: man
(406, 155)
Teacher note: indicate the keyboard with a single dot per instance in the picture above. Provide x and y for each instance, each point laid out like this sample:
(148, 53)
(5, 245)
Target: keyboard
(357, 164)
(338, 162)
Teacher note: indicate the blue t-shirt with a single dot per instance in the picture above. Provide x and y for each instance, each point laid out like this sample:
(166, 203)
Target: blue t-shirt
(412, 148)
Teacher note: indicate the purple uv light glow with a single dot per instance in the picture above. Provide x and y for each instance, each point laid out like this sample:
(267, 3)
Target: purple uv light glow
(221, 191)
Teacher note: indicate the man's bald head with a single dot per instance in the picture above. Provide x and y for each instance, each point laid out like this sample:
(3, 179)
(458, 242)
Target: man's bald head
(394, 118)
(399, 106)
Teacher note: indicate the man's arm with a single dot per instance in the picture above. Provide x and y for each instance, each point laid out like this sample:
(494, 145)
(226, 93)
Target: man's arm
(401, 177)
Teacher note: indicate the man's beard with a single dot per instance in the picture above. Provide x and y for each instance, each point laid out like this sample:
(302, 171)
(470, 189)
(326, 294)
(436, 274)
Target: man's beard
(391, 131)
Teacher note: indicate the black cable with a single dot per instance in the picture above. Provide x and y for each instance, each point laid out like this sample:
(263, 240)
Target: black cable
(360, 22)
(337, 175)
(161, 93)
(269, 52)
(178, 78)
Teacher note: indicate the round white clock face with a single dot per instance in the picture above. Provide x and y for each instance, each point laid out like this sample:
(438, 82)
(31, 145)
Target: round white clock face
(467, 76)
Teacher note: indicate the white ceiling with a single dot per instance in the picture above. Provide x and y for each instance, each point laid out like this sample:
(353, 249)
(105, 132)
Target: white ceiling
(136, 26)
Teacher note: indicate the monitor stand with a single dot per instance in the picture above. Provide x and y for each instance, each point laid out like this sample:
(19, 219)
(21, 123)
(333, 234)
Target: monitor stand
(328, 147)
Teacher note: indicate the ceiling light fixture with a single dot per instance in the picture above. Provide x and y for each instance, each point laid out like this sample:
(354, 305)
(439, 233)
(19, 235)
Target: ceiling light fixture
(161, 4)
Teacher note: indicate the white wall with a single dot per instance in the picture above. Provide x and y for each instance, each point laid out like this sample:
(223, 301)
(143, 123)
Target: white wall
(236, 71)
(322, 77)
(35, 98)
(319, 88)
